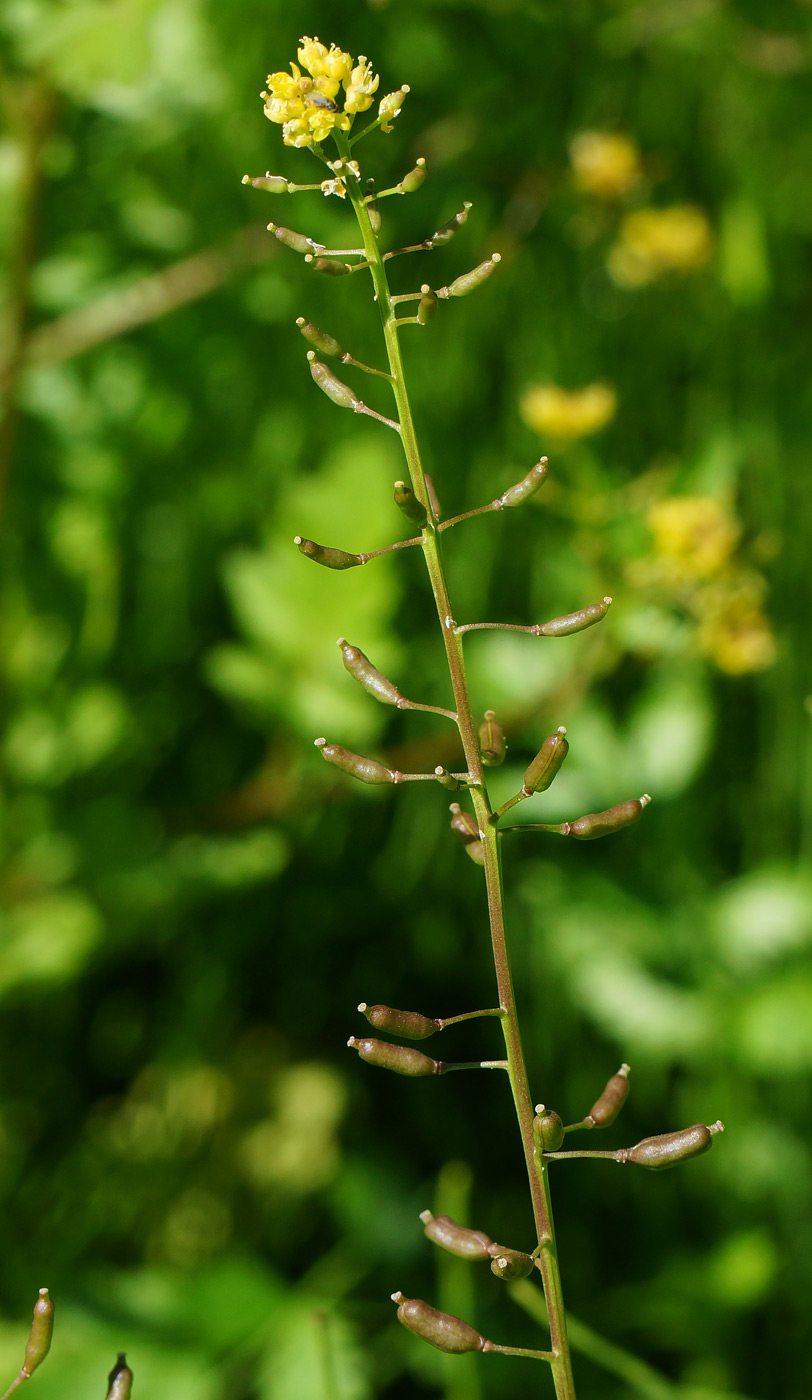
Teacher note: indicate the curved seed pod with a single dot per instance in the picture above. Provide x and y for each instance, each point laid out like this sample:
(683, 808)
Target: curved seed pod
(466, 828)
(410, 1024)
(324, 343)
(540, 773)
(527, 487)
(297, 241)
(446, 231)
(331, 267)
(407, 501)
(491, 741)
(457, 1239)
(667, 1149)
(548, 1129)
(274, 184)
(326, 555)
(401, 1059)
(596, 824)
(42, 1330)
(367, 770)
(362, 669)
(469, 281)
(511, 1263)
(575, 622)
(427, 305)
(605, 1109)
(439, 1329)
(120, 1380)
(329, 385)
(415, 178)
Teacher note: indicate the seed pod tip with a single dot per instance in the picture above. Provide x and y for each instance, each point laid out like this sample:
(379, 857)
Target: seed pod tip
(319, 743)
(426, 1216)
(362, 1006)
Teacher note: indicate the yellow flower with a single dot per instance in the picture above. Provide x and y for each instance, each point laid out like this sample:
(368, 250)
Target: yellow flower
(389, 106)
(335, 64)
(656, 241)
(306, 107)
(605, 163)
(362, 84)
(551, 410)
(694, 536)
(733, 630)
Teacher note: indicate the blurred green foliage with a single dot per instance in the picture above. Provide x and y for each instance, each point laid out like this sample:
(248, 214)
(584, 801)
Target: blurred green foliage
(192, 906)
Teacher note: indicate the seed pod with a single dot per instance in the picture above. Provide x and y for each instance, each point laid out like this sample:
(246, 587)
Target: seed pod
(410, 1024)
(457, 1239)
(441, 1330)
(415, 178)
(468, 831)
(596, 824)
(326, 555)
(665, 1150)
(548, 1129)
(540, 773)
(297, 241)
(407, 501)
(446, 231)
(367, 770)
(446, 779)
(511, 1263)
(402, 1059)
(574, 622)
(324, 343)
(427, 305)
(331, 267)
(605, 1109)
(434, 500)
(120, 1380)
(329, 385)
(491, 741)
(527, 487)
(373, 210)
(274, 184)
(469, 281)
(39, 1338)
(365, 673)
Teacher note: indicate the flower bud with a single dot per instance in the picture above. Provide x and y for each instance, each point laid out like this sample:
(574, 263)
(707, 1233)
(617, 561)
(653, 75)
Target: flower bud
(457, 1239)
(574, 622)
(415, 178)
(446, 232)
(596, 824)
(469, 281)
(466, 828)
(324, 343)
(527, 486)
(540, 773)
(441, 1330)
(491, 741)
(667, 1149)
(329, 385)
(367, 770)
(410, 1024)
(548, 1129)
(365, 673)
(42, 1330)
(120, 1380)
(331, 267)
(511, 1263)
(605, 1109)
(326, 555)
(297, 241)
(402, 1059)
(427, 305)
(274, 184)
(407, 501)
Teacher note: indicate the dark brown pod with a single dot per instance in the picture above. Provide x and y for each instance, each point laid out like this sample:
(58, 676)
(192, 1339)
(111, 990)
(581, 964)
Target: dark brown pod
(410, 1024)
(605, 1109)
(540, 773)
(362, 669)
(667, 1149)
(367, 770)
(596, 824)
(511, 1263)
(42, 1330)
(440, 1330)
(457, 1239)
(401, 1059)
(491, 741)
(548, 1129)
(120, 1380)
(326, 555)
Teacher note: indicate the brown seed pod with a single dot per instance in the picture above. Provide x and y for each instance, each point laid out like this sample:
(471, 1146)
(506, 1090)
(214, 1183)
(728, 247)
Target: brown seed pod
(469, 281)
(297, 241)
(509, 1264)
(605, 1109)
(439, 1329)
(340, 393)
(274, 184)
(457, 1239)
(466, 828)
(401, 1059)
(540, 773)
(576, 621)
(446, 231)
(367, 770)
(667, 1149)
(491, 741)
(120, 1380)
(410, 1024)
(596, 824)
(362, 669)
(326, 555)
(324, 343)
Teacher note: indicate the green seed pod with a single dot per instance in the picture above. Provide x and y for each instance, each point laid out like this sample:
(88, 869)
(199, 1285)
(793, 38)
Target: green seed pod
(466, 828)
(401, 1059)
(120, 1380)
(39, 1338)
(427, 305)
(457, 1239)
(540, 773)
(329, 385)
(469, 281)
(527, 487)
(446, 779)
(446, 232)
(373, 210)
(440, 1330)
(297, 241)
(509, 1264)
(367, 770)
(548, 1129)
(331, 267)
(365, 673)
(665, 1150)
(324, 343)
(326, 555)
(415, 178)
(596, 824)
(491, 741)
(413, 509)
(605, 1109)
(274, 184)
(575, 622)
(410, 1024)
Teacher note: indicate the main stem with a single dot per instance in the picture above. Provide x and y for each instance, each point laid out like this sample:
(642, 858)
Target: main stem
(536, 1168)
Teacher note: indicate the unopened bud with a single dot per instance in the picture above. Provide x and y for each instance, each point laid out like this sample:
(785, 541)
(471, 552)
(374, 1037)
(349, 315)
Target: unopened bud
(415, 178)
(326, 555)
(297, 241)
(466, 828)
(324, 343)
(527, 486)
(596, 824)
(576, 621)
(439, 1329)
(39, 1338)
(330, 267)
(469, 281)
(491, 741)
(540, 773)
(457, 1239)
(401, 1059)
(410, 1024)
(511, 1263)
(274, 184)
(407, 501)
(365, 673)
(446, 232)
(548, 1129)
(667, 1149)
(367, 770)
(329, 385)
(605, 1110)
(427, 305)
(120, 1380)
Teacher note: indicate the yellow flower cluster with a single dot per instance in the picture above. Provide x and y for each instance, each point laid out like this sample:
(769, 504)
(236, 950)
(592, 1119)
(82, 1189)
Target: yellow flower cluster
(605, 164)
(309, 108)
(564, 415)
(656, 241)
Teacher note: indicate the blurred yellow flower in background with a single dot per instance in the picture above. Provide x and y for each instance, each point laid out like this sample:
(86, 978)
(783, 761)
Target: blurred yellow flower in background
(563, 414)
(605, 163)
(693, 535)
(733, 630)
(657, 241)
